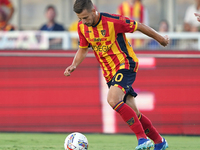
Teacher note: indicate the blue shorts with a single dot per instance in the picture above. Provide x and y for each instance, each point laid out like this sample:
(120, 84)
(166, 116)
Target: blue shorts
(124, 79)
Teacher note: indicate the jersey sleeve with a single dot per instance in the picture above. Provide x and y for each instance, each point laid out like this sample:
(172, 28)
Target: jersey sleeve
(125, 25)
(83, 43)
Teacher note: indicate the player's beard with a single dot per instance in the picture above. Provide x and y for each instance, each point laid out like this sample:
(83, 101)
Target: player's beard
(91, 24)
(88, 24)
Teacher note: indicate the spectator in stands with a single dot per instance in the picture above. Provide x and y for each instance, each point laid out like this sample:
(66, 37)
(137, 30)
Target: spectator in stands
(4, 26)
(163, 27)
(6, 6)
(190, 22)
(134, 9)
(52, 25)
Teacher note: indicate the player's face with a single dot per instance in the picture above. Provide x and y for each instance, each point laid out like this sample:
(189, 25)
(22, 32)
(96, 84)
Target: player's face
(88, 18)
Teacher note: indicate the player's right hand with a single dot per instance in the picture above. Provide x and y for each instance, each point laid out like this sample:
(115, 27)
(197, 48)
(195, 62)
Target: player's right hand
(68, 70)
(165, 41)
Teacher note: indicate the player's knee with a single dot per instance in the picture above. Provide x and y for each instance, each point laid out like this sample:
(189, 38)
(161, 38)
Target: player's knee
(112, 102)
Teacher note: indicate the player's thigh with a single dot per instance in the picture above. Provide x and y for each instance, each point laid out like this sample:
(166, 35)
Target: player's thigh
(115, 94)
(130, 100)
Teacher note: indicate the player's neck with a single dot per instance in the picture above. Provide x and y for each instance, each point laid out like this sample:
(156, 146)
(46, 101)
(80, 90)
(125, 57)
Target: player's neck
(97, 16)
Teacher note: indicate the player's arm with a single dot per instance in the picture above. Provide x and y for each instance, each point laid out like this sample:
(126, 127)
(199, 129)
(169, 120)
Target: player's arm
(79, 57)
(80, 54)
(163, 40)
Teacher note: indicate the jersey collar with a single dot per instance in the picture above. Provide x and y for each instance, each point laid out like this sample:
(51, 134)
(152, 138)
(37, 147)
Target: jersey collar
(99, 16)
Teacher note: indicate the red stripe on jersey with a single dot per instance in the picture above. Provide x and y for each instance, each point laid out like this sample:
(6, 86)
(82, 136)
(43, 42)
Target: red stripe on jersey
(86, 32)
(108, 42)
(136, 67)
(114, 59)
(95, 31)
(105, 62)
(101, 64)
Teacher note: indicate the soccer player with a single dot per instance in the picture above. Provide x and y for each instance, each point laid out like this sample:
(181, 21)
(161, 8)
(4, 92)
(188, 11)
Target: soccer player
(106, 34)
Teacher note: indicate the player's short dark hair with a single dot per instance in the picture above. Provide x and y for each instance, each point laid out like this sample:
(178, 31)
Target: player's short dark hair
(81, 5)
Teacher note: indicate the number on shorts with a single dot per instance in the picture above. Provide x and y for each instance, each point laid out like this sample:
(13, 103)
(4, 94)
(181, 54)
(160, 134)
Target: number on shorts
(119, 77)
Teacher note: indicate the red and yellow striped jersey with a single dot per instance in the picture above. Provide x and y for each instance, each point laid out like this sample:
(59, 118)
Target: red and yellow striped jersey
(135, 12)
(109, 43)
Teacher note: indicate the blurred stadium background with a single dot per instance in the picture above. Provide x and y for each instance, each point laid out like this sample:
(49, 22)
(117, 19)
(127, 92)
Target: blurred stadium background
(29, 14)
(36, 97)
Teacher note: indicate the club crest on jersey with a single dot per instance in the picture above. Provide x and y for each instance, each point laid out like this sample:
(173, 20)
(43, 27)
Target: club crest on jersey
(103, 32)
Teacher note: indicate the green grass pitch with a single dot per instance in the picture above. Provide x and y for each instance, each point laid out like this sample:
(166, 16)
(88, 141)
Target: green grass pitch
(55, 141)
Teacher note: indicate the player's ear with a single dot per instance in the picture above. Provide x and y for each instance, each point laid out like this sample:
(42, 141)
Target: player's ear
(93, 10)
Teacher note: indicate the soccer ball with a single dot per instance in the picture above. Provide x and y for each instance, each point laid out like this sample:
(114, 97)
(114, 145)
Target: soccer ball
(76, 141)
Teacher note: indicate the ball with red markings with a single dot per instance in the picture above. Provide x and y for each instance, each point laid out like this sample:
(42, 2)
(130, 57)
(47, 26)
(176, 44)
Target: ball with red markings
(76, 141)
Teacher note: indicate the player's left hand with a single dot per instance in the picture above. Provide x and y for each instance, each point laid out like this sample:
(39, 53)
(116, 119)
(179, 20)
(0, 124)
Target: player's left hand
(198, 16)
(69, 69)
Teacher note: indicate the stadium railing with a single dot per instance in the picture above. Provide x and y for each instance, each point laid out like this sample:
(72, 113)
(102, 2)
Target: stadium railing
(69, 41)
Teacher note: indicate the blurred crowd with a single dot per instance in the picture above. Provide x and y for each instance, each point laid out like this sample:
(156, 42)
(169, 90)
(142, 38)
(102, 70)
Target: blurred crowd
(133, 9)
